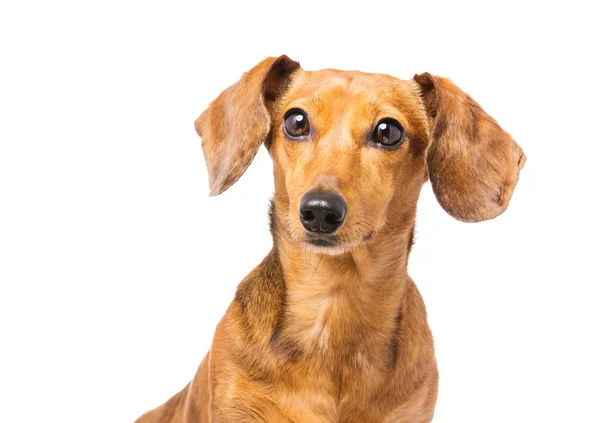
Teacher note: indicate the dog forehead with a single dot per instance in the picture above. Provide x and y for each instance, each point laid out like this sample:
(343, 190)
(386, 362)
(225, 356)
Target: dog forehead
(338, 86)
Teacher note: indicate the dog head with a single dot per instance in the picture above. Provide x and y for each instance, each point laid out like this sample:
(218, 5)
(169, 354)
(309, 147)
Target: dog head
(351, 150)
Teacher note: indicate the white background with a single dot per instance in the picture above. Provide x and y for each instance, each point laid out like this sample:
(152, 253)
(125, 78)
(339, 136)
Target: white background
(115, 266)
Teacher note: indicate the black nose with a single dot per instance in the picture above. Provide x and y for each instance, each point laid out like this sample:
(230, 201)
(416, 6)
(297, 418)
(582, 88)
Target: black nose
(322, 212)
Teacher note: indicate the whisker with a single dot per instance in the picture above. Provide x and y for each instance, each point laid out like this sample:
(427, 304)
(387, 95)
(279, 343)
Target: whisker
(316, 267)
(372, 102)
(388, 232)
(392, 228)
(318, 93)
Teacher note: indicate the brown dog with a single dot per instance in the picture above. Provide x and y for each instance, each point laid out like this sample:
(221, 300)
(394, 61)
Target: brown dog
(330, 327)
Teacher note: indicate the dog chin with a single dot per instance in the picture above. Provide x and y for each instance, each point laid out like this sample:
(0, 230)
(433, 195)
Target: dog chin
(327, 246)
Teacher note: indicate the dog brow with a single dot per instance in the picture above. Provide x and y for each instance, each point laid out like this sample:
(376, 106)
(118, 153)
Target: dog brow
(380, 93)
(316, 100)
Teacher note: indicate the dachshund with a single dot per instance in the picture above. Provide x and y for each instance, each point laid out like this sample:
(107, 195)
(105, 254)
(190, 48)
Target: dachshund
(330, 327)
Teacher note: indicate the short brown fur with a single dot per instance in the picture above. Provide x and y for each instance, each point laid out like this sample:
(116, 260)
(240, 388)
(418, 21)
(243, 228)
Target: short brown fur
(339, 334)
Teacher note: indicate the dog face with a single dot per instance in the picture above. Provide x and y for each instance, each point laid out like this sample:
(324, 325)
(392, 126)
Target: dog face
(351, 150)
(346, 147)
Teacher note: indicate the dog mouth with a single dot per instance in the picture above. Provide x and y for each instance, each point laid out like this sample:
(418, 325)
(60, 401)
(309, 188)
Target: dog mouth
(332, 241)
(323, 241)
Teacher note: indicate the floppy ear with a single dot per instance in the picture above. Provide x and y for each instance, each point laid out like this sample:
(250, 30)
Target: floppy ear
(472, 163)
(239, 120)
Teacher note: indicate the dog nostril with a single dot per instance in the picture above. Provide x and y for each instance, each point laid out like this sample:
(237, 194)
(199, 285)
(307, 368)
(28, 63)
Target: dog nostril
(332, 219)
(308, 215)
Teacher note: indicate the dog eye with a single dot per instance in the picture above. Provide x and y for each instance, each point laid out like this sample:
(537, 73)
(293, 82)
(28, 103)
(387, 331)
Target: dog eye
(295, 123)
(388, 133)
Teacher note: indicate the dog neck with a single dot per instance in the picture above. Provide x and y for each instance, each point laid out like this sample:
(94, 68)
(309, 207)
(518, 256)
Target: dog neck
(346, 306)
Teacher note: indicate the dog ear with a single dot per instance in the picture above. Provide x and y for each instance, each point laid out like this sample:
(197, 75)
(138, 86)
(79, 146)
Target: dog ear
(239, 121)
(473, 164)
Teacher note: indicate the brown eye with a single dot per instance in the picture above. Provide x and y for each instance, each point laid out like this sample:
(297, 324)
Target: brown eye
(388, 133)
(295, 123)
